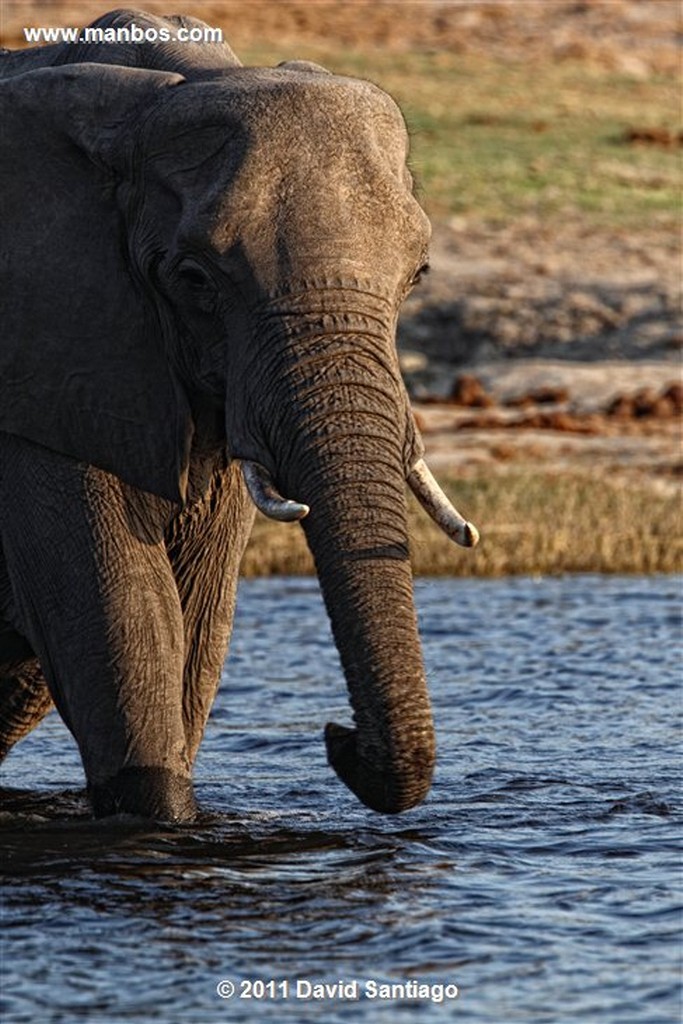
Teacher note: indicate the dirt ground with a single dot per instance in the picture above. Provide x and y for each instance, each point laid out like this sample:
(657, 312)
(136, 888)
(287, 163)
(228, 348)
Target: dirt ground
(579, 330)
(562, 435)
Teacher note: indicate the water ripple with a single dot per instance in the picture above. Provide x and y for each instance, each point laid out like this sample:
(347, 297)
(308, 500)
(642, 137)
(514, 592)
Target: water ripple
(542, 876)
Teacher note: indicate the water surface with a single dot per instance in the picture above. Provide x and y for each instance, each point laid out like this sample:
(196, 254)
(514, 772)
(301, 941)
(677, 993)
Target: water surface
(541, 877)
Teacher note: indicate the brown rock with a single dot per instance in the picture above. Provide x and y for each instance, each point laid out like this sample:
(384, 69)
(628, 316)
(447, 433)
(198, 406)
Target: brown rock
(503, 451)
(647, 403)
(674, 393)
(560, 421)
(648, 136)
(644, 402)
(520, 402)
(623, 407)
(534, 420)
(541, 396)
(468, 391)
(662, 408)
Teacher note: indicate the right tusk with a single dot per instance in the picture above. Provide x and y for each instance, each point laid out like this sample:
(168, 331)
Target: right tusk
(436, 504)
(266, 497)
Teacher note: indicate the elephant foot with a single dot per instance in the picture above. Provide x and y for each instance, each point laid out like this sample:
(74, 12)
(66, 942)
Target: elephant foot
(146, 792)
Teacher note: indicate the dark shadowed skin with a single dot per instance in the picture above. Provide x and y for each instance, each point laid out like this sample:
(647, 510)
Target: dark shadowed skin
(202, 265)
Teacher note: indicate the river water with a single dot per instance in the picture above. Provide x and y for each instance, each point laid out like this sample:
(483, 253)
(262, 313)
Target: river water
(541, 880)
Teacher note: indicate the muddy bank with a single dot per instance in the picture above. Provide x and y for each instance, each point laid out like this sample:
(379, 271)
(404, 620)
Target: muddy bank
(526, 347)
(526, 290)
(593, 418)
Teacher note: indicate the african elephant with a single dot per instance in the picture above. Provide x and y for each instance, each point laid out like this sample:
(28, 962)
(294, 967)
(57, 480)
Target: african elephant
(202, 268)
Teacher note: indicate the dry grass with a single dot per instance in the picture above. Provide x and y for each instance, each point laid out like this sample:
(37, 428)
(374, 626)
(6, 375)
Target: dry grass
(530, 522)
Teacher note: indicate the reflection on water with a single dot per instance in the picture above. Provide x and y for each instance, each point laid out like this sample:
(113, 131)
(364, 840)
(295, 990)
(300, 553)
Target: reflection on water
(540, 877)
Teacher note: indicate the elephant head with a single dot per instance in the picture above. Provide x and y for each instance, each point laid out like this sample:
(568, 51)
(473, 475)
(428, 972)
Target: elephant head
(221, 260)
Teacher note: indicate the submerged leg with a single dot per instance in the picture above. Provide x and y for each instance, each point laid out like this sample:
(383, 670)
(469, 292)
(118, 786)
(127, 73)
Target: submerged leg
(24, 701)
(96, 598)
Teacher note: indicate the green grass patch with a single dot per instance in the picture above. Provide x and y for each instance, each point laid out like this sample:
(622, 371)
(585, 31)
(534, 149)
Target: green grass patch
(498, 140)
(530, 522)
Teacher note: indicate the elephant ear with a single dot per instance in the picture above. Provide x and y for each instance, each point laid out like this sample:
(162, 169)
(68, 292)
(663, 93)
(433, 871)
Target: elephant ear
(82, 369)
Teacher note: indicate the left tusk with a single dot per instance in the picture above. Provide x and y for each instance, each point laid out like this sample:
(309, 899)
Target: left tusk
(436, 504)
(267, 498)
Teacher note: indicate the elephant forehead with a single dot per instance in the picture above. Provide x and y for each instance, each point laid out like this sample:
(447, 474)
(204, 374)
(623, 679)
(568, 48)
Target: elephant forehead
(265, 109)
(292, 163)
(324, 109)
(290, 219)
(257, 89)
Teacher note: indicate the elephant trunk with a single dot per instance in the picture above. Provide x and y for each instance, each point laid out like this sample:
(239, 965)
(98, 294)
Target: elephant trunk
(360, 548)
(388, 759)
(345, 458)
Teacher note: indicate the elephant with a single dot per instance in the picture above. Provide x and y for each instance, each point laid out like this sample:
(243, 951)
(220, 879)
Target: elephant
(202, 268)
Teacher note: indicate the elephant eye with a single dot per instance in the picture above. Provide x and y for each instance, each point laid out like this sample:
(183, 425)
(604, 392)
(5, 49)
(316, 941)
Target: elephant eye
(419, 274)
(194, 278)
(198, 287)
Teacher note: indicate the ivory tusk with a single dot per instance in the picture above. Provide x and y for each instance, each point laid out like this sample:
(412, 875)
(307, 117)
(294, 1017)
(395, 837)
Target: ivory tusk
(436, 504)
(266, 497)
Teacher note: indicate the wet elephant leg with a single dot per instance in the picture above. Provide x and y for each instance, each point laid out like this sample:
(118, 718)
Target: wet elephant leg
(24, 695)
(96, 598)
(24, 701)
(205, 546)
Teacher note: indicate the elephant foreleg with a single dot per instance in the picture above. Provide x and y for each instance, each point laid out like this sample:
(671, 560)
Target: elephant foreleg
(205, 546)
(96, 598)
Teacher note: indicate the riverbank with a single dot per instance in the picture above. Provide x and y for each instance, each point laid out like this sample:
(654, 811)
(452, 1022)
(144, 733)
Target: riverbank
(541, 521)
(563, 466)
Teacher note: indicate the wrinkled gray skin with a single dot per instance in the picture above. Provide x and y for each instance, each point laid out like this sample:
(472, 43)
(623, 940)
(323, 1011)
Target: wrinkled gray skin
(200, 263)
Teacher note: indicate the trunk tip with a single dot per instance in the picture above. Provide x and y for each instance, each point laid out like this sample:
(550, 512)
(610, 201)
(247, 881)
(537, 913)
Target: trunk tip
(388, 792)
